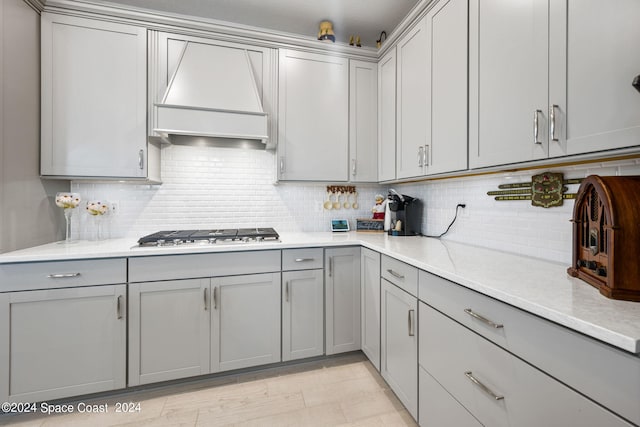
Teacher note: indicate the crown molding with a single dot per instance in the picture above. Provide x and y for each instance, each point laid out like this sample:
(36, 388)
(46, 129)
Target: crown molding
(37, 5)
(415, 14)
(204, 27)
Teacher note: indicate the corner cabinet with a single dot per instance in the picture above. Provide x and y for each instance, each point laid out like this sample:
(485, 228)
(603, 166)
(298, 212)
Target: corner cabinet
(94, 99)
(313, 117)
(342, 298)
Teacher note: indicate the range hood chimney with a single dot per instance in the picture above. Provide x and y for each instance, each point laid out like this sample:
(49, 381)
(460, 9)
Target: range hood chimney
(212, 94)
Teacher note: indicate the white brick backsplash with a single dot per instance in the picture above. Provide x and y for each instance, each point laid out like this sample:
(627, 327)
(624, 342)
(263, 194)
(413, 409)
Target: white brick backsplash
(206, 187)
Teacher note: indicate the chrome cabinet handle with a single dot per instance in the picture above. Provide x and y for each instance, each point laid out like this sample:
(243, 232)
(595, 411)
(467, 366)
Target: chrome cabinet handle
(353, 167)
(552, 121)
(483, 387)
(118, 307)
(281, 164)
(420, 156)
(62, 275)
(305, 259)
(412, 332)
(205, 299)
(535, 127)
(330, 266)
(426, 155)
(483, 319)
(215, 298)
(141, 159)
(286, 290)
(394, 274)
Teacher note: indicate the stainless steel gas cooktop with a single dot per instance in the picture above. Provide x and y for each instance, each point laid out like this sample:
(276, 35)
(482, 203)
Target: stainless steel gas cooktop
(210, 237)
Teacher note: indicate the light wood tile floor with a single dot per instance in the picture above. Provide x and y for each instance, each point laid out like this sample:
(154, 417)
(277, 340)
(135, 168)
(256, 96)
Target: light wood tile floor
(338, 391)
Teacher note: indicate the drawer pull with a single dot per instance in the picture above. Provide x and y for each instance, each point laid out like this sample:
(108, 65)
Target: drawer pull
(63, 275)
(483, 387)
(394, 274)
(305, 259)
(286, 290)
(483, 319)
(119, 307)
(205, 299)
(412, 332)
(215, 298)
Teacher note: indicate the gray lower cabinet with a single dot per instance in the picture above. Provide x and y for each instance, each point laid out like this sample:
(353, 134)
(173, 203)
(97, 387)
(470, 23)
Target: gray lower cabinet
(498, 388)
(184, 328)
(399, 344)
(245, 316)
(62, 342)
(302, 314)
(342, 297)
(169, 330)
(370, 305)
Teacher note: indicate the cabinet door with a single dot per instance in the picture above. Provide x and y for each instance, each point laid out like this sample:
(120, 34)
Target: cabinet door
(590, 75)
(94, 86)
(446, 118)
(313, 118)
(63, 342)
(370, 305)
(245, 321)
(399, 344)
(302, 314)
(342, 279)
(508, 81)
(363, 117)
(168, 330)
(413, 99)
(387, 116)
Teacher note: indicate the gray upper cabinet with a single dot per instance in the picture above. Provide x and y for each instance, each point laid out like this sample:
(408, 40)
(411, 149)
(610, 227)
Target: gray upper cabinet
(313, 118)
(412, 101)
(543, 84)
(590, 75)
(446, 145)
(363, 116)
(94, 88)
(387, 116)
(508, 81)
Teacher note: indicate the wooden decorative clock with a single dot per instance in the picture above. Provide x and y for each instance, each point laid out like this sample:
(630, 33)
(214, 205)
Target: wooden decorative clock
(606, 235)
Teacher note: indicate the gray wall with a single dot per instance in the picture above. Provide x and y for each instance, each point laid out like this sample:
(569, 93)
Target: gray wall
(28, 215)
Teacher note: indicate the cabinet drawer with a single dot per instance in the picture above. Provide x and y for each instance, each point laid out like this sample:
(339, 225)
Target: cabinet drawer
(191, 266)
(302, 259)
(62, 274)
(438, 408)
(607, 375)
(498, 388)
(400, 274)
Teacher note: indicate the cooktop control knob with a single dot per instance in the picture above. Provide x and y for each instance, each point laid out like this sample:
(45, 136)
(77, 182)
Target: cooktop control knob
(259, 239)
(212, 240)
(161, 242)
(177, 242)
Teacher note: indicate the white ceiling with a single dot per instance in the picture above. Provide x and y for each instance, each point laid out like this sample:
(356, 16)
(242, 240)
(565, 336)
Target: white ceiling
(366, 18)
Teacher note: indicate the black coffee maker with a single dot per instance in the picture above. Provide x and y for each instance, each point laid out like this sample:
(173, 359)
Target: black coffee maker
(406, 214)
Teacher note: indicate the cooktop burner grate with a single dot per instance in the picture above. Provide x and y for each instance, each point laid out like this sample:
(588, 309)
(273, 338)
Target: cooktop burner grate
(213, 236)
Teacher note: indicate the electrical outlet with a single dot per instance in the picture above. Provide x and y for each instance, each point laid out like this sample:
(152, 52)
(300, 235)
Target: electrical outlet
(115, 208)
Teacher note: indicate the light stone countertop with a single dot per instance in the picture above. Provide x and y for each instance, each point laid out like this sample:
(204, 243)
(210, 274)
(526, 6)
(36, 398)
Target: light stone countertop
(537, 286)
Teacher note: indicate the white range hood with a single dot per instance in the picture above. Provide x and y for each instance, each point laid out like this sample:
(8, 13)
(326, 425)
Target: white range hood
(212, 93)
